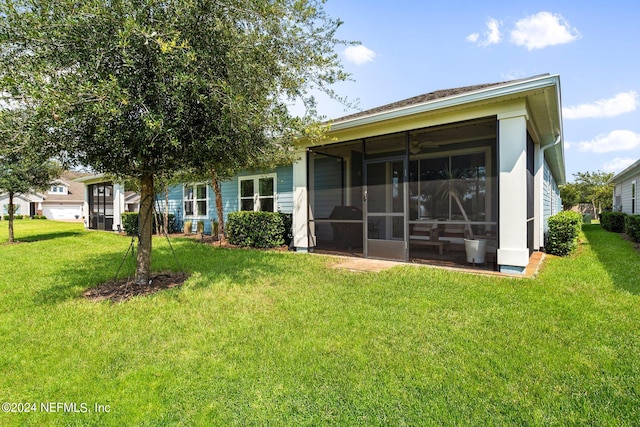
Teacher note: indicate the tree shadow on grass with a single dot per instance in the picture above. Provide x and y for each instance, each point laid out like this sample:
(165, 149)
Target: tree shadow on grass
(212, 265)
(48, 236)
(618, 257)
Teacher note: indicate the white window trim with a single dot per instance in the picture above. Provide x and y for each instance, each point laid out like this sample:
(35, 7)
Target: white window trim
(255, 179)
(184, 199)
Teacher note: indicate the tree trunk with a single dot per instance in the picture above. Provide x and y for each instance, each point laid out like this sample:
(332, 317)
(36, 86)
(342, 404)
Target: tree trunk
(215, 183)
(464, 214)
(166, 210)
(143, 262)
(10, 212)
(595, 210)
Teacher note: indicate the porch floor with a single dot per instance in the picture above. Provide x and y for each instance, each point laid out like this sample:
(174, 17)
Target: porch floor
(453, 260)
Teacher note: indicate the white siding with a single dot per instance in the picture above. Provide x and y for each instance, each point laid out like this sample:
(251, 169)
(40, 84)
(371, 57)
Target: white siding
(624, 190)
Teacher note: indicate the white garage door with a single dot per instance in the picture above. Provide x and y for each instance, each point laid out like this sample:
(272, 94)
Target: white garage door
(63, 212)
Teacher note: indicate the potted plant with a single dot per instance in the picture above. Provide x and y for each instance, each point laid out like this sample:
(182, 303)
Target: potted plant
(187, 227)
(455, 183)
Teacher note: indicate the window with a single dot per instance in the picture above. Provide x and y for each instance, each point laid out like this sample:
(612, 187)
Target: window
(258, 193)
(633, 196)
(448, 188)
(195, 200)
(57, 189)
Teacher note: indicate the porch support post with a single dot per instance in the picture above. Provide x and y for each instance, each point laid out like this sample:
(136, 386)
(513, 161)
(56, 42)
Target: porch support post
(300, 203)
(118, 205)
(538, 240)
(85, 206)
(513, 254)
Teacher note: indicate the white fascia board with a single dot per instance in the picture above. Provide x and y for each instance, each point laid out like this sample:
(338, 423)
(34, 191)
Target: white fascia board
(452, 101)
(630, 171)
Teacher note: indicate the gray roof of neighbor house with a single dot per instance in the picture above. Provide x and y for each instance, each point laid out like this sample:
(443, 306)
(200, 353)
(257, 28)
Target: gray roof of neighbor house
(630, 171)
(76, 189)
(431, 96)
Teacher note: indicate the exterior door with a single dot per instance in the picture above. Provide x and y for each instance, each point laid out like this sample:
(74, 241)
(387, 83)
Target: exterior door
(385, 205)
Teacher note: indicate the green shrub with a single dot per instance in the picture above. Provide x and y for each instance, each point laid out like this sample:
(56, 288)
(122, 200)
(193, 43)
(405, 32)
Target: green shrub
(15, 216)
(632, 227)
(613, 221)
(287, 221)
(564, 229)
(256, 229)
(39, 217)
(130, 223)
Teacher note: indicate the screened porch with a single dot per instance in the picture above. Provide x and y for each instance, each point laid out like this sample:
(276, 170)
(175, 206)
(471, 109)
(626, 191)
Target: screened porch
(409, 196)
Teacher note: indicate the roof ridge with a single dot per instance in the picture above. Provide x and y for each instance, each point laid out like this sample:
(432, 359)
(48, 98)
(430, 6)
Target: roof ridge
(430, 96)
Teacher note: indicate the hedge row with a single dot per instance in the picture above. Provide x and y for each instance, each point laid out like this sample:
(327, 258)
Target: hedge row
(632, 227)
(564, 229)
(6, 217)
(620, 222)
(613, 221)
(259, 229)
(130, 223)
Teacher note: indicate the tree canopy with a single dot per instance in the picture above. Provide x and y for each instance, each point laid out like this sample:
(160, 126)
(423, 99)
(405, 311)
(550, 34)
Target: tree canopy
(146, 88)
(589, 187)
(24, 165)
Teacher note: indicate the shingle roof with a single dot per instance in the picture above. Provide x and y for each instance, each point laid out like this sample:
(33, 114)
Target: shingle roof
(431, 96)
(76, 189)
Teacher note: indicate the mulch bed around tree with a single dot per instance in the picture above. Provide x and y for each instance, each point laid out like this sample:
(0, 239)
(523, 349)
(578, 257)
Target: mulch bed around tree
(123, 289)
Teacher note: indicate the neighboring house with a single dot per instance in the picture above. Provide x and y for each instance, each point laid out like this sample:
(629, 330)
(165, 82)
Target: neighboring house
(63, 200)
(25, 204)
(377, 187)
(625, 193)
(103, 203)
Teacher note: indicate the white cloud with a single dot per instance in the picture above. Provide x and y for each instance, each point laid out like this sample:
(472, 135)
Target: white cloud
(493, 32)
(359, 54)
(543, 29)
(617, 140)
(618, 164)
(473, 37)
(491, 35)
(621, 103)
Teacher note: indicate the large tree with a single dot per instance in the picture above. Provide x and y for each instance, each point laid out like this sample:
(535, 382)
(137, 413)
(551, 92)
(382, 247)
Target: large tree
(24, 166)
(146, 88)
(594, 188)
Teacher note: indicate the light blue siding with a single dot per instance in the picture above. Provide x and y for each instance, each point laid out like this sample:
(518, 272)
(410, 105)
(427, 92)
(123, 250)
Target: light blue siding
(230, 196)
(552, 204)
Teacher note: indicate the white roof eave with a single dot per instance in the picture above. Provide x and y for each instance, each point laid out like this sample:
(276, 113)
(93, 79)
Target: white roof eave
(452, 101)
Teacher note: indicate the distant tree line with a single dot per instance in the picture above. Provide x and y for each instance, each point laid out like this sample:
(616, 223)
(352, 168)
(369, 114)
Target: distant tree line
(594, 188)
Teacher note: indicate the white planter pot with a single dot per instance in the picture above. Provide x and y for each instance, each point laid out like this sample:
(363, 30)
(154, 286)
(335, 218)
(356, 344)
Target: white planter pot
(476, 250)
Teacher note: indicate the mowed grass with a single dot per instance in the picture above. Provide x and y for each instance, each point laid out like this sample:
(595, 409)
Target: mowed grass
(271, 338)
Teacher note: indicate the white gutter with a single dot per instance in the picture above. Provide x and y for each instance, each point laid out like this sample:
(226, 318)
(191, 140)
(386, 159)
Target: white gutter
(451, 101)
(553, 144)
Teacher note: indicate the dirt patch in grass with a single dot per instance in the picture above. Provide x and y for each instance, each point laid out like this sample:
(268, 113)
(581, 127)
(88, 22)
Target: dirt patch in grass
(123, 289)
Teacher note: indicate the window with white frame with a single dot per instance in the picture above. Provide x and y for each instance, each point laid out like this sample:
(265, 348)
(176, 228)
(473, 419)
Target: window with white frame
(59, 189)
(257, 193)
(195, 200)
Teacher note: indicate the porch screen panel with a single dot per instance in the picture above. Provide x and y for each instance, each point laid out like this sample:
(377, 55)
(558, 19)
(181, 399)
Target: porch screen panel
(335, 184)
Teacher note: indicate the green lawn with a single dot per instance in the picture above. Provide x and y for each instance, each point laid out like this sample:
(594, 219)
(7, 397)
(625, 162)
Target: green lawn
(271, 338)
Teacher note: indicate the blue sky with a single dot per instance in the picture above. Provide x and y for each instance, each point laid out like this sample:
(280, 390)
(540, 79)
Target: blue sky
(414, 47)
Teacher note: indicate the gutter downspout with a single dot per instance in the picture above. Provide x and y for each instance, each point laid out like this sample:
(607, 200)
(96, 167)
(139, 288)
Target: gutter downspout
(553, 144)
(541, 211)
